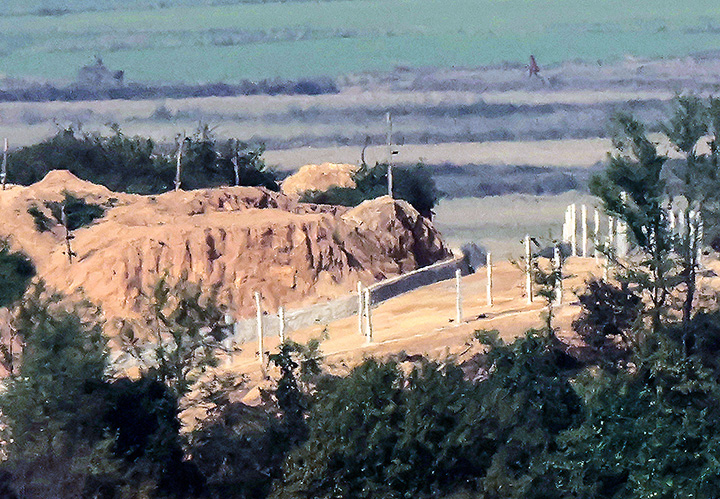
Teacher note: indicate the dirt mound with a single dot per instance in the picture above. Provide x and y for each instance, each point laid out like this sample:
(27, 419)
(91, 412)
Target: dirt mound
(319, 178)
(240, 239)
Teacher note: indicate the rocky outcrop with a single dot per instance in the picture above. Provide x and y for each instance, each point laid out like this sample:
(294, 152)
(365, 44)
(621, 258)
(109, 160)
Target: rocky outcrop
(320, 178)
(237, 239)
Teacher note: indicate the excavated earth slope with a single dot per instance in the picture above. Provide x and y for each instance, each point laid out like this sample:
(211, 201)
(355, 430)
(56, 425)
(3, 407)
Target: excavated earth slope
(240, 239)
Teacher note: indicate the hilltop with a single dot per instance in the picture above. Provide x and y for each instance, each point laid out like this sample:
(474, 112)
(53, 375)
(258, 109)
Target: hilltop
(237, 239)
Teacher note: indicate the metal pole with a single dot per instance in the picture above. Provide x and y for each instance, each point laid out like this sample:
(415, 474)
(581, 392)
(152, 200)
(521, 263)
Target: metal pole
(584, 231)
(528, 270)
(573, 228)
(489, 286)
(389, 153)
(178, 165)
(3, 172)
(261, 350)
(458, 296)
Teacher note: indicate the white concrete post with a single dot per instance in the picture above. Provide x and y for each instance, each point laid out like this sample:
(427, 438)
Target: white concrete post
(458, 296)
(700, 236)
(584, 231)
(672, 221)
(178, 165)
(281, 319)
(596, 238)
(606, 267)
(361, 308)
(261, 349)
(368, 317)
(566, 226)
(573, 228)
(557, 261)
(489, 285)
(390, 155)
(681, 223)
(528, 270)
(611, 232)
(623, 245)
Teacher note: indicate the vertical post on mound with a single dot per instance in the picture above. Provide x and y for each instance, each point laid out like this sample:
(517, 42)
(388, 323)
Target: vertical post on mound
(361, 309)
(388, 119)
(573, 228)
(368, 317)
(671, 216)
(700, 236)
(596, 238)
(557, 262)
(3, 171)
(260, 332)
(584, 231)
(281, 325)
(489, 285)
(178, 164)
(528, 270)
(622, 235)
(606, 267)
(611, 232)
(458, 296)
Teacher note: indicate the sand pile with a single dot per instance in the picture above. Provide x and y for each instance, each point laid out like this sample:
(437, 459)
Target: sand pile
(319, 177)
(240, 239)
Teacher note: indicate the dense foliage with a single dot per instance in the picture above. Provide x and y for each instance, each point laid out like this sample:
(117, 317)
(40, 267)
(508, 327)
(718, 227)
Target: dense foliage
(16, 271)
(134, 164)
(414, 185)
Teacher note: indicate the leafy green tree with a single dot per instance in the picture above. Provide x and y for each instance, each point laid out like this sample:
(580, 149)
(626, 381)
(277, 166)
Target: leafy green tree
(651, 433)
(57, 442)
(187, 327)
(16, 271)
(633, 190)
(380, 433)
(698, 181)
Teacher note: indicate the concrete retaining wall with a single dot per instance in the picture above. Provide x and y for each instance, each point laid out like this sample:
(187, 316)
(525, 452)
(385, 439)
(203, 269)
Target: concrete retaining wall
(246, 329)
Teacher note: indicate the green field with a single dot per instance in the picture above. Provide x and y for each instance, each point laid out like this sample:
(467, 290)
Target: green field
(228, 42)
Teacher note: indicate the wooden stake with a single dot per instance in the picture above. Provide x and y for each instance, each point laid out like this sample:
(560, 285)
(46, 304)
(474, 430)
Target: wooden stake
(361, 309)
(368, 317)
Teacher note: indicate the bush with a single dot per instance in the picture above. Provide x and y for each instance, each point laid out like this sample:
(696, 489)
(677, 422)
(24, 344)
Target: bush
(16, 271)
(414, 185)
(607, 319)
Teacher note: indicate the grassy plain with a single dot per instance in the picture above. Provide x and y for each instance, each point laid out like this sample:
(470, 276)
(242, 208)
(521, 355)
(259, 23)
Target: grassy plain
(201, 42)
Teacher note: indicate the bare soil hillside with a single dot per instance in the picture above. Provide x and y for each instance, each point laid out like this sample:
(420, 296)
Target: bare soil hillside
(240, 239)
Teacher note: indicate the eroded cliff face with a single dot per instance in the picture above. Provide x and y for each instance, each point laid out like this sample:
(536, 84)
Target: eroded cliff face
(239, 239)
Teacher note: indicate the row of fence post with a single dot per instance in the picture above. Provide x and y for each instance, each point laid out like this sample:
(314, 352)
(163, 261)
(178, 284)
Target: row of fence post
(364, 307)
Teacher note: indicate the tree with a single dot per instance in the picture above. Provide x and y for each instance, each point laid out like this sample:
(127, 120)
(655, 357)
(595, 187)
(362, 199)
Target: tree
(414, 185)
(633, 190)
(71, 213)
(16, 271)
(698, 180)
(58, 444)
(187, 328)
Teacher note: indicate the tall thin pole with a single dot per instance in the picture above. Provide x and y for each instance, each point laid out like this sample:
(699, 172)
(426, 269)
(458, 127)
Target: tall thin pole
(281, 320)
(597, 236)
(528, 270)
(261, 348)
(558, 268)
(573, 228)
(361, 308)
(236, 166)
(489, 286)
(368, 317)
(3, 172)
(388, 118)
(458, 296)
(583, 213)
(179, 164)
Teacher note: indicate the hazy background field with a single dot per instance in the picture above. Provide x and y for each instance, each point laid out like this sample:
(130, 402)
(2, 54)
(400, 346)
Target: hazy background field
(508, 151)
(172, 40)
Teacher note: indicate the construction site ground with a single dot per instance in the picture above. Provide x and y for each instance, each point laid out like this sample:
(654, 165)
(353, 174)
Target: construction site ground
(423, 321)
